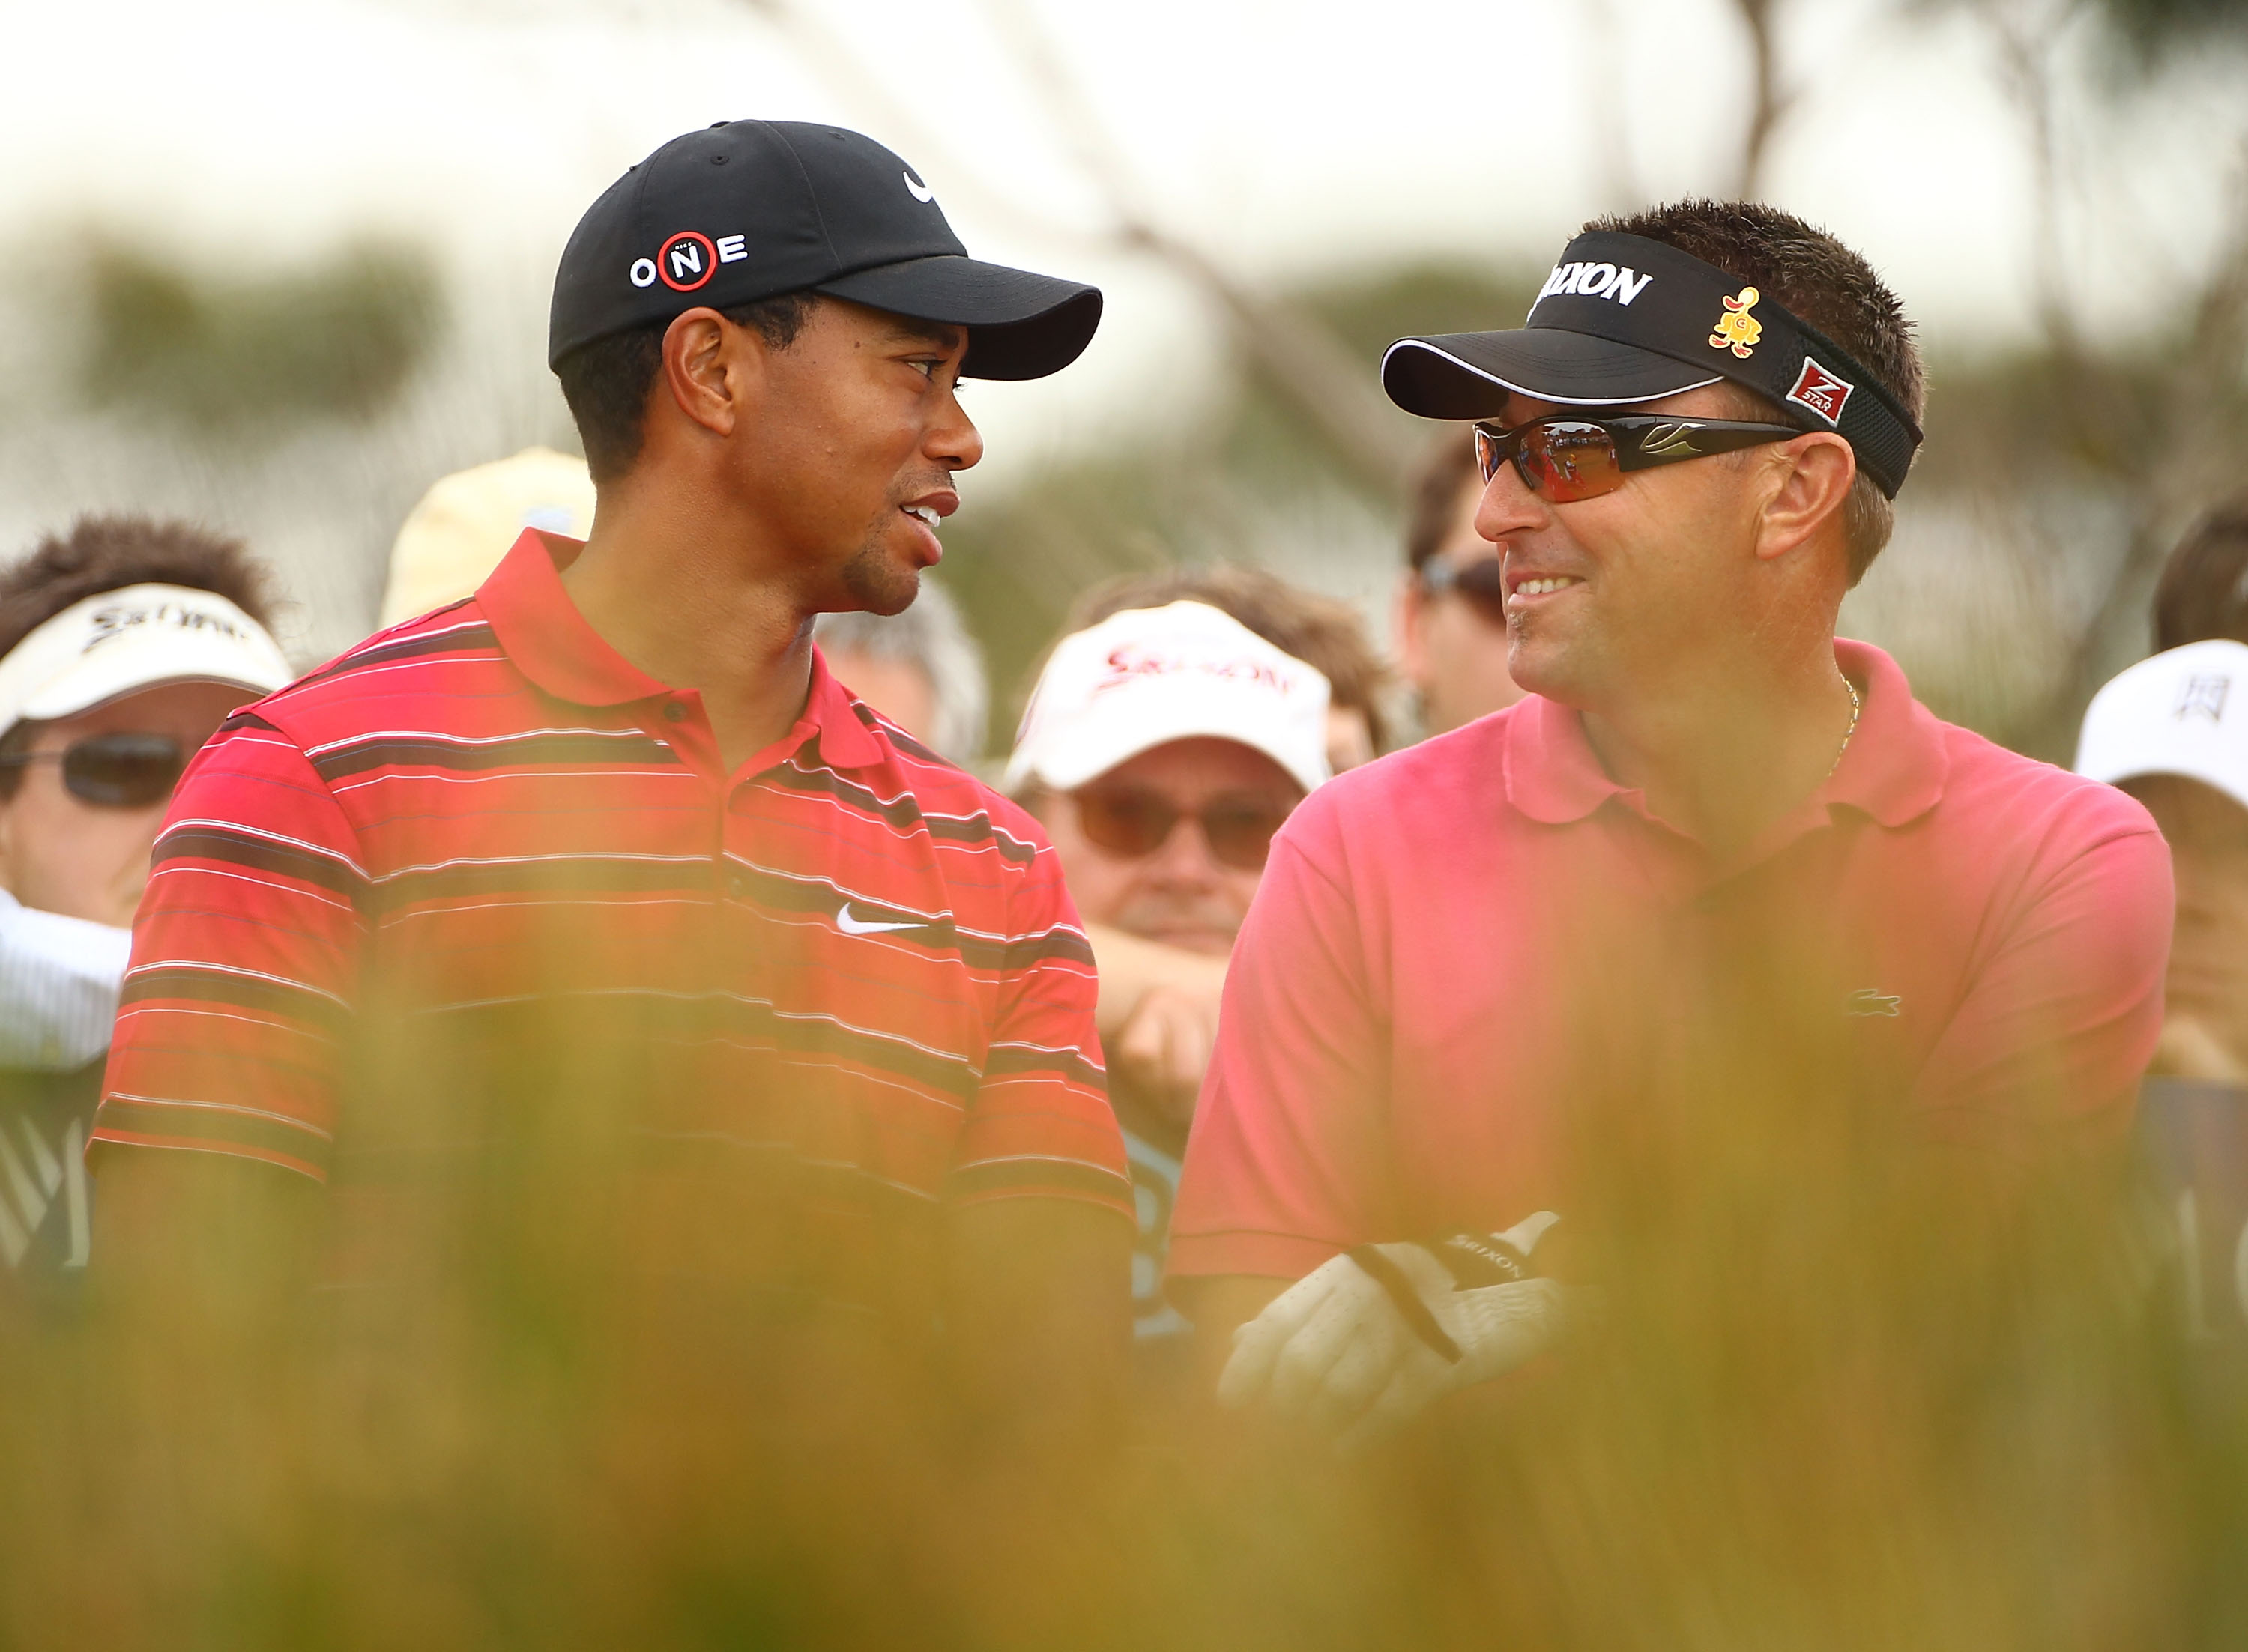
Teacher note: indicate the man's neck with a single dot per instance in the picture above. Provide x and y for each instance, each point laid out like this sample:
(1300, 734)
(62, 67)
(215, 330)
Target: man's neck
(695, 611)
(1725, 756)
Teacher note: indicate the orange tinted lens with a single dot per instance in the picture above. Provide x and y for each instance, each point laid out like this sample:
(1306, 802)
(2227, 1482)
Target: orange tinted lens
(1241, 833)
(1569, 459)
(1486, 450)
(1125, 822)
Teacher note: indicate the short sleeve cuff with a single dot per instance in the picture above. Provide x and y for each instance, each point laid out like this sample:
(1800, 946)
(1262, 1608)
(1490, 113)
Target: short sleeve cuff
(1271, 1256)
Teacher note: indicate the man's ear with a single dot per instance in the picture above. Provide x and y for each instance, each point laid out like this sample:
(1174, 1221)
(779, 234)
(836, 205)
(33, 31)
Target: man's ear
(711, 369)
(1815, 474)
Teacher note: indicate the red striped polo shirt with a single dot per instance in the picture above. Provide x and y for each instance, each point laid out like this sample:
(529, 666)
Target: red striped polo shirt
(484, 837)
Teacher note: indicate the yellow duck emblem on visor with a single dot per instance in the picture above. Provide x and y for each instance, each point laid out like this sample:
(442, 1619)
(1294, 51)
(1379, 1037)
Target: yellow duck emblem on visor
(1738, 329)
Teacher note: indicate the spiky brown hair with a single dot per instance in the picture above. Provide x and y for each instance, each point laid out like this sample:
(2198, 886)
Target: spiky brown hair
(1824, 282)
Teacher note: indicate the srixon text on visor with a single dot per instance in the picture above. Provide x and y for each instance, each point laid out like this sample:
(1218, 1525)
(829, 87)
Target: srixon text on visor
(1595, 281)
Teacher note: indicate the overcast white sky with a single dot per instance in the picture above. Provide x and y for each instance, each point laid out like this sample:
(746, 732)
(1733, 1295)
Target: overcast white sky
(1281, 136)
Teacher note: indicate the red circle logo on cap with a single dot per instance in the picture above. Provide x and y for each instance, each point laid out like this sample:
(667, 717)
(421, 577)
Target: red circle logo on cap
(686, 261)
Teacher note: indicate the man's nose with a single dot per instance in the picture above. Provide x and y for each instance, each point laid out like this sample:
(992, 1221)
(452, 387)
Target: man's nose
(954, 441)
(1507, 506)
(1185, 856)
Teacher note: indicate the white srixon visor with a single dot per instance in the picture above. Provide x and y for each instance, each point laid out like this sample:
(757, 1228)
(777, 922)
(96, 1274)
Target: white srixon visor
(1147, 676)
(139, 636)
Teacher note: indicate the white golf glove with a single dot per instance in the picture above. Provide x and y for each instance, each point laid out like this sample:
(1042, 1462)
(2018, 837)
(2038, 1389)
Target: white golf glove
(1362, 1343)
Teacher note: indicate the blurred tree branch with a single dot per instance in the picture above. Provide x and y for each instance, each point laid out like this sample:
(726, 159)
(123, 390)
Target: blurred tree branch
(2155, 423)
(1769, 101)
(1329, 388)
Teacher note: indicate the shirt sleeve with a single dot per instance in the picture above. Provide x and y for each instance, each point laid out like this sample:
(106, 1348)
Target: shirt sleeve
(1041, 1126)
(1289, 1160)
(2048, 1048)
(246, 954)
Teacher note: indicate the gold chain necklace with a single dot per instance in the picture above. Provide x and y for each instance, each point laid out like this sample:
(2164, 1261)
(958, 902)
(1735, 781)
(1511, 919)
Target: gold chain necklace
(1857, 704)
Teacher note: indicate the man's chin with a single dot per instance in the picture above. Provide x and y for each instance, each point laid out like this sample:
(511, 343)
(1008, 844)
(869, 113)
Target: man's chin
(1542, 667)
(878, 584)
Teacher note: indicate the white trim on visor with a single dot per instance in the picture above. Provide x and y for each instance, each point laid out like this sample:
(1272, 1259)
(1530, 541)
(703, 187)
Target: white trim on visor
(1541, 395)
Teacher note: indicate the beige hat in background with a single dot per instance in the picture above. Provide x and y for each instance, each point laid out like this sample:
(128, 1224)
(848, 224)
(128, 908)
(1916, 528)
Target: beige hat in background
(464, 525)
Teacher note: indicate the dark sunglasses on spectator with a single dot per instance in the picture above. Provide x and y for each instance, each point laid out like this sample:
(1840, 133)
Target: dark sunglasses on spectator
(114, 770)
(1566, 457)
(1130, 821)
(1482, 583)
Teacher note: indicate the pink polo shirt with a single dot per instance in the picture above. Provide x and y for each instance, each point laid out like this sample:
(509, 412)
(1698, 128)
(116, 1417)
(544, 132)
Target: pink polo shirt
(1425, 964)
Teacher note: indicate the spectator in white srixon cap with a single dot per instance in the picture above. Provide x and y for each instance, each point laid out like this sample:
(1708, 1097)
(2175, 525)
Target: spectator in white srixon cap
(1158, 1002)
(920, 669)
(1161, 749)
(126, 641)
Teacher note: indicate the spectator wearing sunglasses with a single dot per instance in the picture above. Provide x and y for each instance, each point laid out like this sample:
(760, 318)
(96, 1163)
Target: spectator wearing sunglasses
(1161, 750)
(126, 643)
(1159, 1004)
(1689, 454)
(1452, 605)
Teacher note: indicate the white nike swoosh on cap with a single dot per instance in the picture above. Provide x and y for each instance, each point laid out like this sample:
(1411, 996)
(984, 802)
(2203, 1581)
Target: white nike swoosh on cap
(850, 924)
(916, 189)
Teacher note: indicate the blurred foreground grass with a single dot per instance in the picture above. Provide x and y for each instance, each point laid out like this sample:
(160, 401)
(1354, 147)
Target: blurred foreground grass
(564, 1386)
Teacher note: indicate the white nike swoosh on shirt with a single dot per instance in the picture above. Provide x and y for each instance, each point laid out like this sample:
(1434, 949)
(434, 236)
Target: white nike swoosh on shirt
(852, 925)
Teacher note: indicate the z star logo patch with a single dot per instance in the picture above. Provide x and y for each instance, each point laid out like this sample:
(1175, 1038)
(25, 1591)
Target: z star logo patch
(1822, 392)
(1737, 329)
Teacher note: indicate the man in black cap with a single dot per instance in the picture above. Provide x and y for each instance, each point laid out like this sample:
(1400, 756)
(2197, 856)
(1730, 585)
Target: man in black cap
(1689, 453)
(598, 882)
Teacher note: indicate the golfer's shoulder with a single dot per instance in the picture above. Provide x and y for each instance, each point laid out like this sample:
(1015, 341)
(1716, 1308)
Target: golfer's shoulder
(1429, 798)
(430, 666)
(2015, 805)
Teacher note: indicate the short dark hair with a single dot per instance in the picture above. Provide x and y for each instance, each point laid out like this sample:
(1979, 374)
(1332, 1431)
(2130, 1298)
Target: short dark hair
(606, 382)
(2203, 594)
(1436, 496)
(1324, 634)
(107, 554)
(1818, 278)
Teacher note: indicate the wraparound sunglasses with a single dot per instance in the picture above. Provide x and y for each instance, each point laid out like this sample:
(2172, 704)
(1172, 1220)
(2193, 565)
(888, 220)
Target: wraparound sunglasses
(1566, 457)
(1134, 823)
(114, 770)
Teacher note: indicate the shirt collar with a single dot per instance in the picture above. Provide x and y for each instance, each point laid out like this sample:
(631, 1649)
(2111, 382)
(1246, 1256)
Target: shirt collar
(553, 645)
(1893, 771)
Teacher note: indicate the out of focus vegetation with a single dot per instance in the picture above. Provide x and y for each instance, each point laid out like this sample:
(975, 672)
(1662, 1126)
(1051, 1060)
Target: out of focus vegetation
(1850, 1391)
(244, 353)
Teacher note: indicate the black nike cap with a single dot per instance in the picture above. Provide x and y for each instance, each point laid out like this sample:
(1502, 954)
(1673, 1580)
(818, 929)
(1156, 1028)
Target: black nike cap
(749, 209)
(1623, 320)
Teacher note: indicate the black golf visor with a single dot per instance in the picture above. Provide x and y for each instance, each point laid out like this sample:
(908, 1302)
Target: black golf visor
(1623, 320)
(1020, 326)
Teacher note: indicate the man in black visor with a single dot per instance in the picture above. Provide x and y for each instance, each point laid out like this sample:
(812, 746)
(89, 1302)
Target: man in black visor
(1689, 453)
